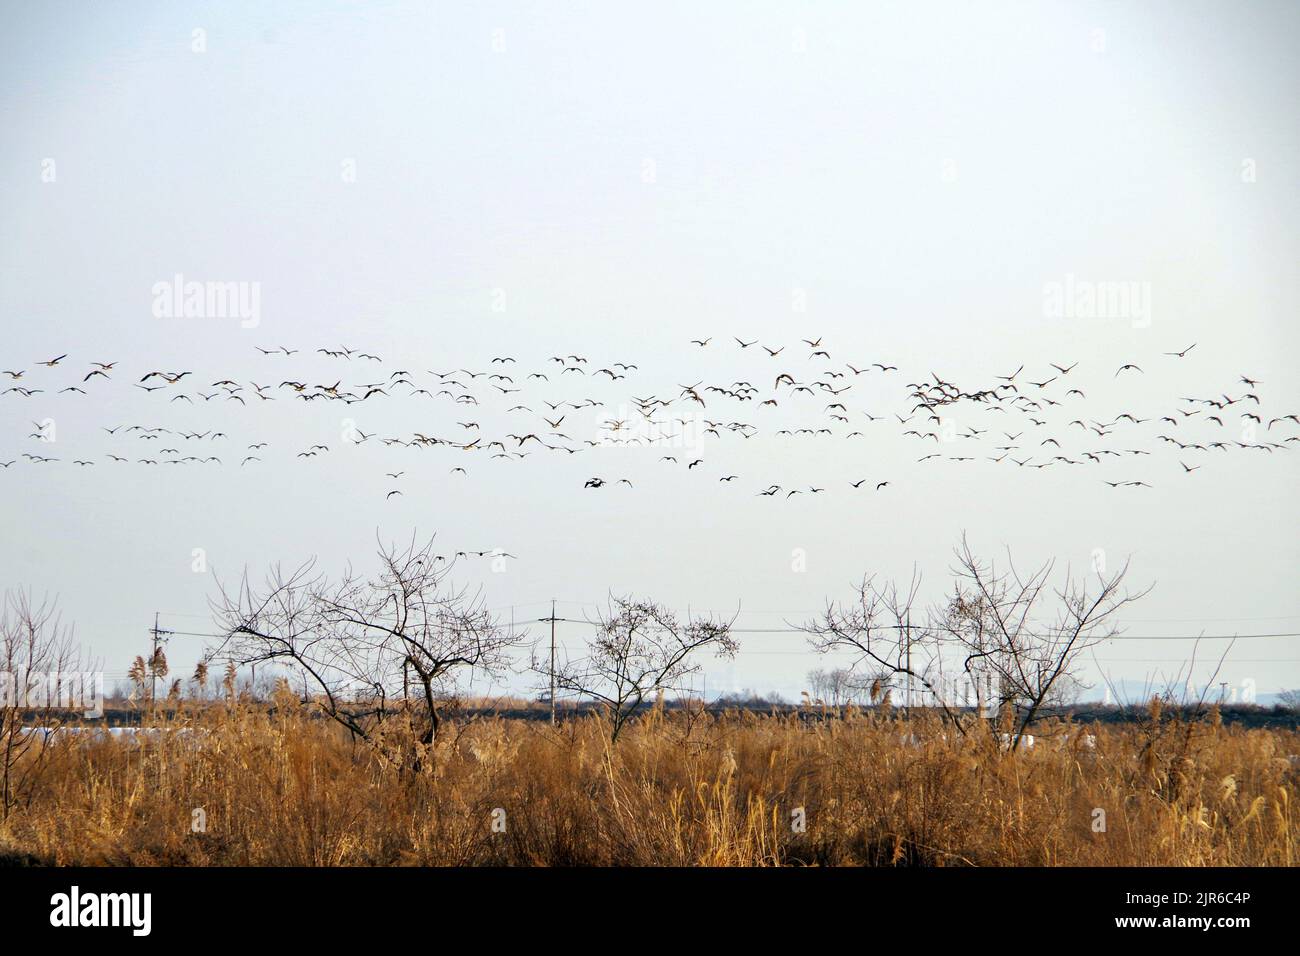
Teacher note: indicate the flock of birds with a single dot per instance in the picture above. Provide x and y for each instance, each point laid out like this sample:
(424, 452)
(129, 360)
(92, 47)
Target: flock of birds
(1028, 416)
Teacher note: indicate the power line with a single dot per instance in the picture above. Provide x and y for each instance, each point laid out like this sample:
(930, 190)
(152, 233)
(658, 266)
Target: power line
(1109, 660)
(795, 630)
(820, 611)
(1117, 637)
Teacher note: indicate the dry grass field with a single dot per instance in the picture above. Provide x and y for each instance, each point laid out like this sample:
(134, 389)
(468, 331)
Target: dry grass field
(277, 787)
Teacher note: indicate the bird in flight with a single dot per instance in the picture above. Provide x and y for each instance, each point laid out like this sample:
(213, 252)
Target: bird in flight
(933, 399)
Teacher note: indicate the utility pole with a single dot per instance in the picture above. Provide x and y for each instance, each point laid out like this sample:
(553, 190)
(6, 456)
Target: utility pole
(153, 673)
(908, 638)
(552, 619)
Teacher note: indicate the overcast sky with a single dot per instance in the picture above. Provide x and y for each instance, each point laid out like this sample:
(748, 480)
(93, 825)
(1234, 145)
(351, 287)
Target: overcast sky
(443, 183)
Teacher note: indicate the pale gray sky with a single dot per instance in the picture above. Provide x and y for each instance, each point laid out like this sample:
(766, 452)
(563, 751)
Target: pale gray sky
(905, 181)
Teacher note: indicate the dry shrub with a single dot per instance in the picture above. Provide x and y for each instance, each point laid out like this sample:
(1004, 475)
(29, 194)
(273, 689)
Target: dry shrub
(277, 787)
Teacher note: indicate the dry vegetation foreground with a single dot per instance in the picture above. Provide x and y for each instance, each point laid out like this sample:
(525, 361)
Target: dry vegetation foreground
(250, 787)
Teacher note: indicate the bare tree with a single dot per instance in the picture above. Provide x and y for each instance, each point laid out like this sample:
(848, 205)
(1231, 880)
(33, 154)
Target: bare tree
(355, 645)
(1001, 623)
(40, 680)
(995, 631)
(890, 648)
(640, 651)
(839, 685)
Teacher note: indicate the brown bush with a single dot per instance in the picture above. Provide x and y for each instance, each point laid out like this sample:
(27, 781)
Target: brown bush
(281, 788)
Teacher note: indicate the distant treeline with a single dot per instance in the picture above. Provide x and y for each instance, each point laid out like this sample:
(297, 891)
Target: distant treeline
(1276, 716)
